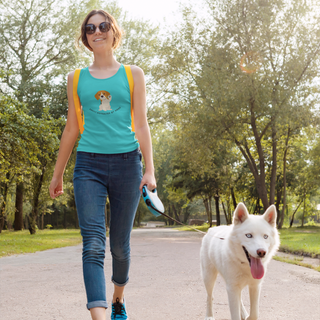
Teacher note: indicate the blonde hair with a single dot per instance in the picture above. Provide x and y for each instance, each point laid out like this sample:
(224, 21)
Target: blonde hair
(117, 32)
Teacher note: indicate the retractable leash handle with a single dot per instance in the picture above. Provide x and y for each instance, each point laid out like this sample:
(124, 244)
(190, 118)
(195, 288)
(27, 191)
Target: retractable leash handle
(152, 201)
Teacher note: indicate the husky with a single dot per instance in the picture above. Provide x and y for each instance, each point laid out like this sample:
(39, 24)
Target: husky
(240, 253)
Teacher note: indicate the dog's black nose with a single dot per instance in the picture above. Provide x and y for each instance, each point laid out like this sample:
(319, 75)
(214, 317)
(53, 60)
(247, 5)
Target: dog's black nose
(261, 253)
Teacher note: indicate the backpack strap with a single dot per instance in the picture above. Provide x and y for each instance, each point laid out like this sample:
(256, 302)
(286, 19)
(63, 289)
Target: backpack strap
(131, 85)
(76, 100)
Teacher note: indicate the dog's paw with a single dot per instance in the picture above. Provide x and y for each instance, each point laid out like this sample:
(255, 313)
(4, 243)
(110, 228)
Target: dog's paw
(244, 314)
(209, 318)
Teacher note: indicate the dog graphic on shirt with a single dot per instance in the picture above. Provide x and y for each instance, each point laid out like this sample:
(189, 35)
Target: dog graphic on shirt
(105, 98)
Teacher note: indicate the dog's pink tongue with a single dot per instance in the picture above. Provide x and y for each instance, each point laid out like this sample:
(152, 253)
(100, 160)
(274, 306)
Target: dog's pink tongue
(257, 269)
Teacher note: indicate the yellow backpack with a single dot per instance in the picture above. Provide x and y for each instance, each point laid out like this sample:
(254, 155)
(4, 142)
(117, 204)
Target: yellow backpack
(77, 104)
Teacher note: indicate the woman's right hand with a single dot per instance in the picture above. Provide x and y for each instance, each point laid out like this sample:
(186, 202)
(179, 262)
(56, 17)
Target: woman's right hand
(56, 187)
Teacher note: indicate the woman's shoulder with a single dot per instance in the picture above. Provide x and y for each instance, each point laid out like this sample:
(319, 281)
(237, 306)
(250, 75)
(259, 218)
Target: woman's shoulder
(71, 74)
(137, 73)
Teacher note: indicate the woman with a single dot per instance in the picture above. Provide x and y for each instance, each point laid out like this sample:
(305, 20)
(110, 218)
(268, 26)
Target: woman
(108, 160)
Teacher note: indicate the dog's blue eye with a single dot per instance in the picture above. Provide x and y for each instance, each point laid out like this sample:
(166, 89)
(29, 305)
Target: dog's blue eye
(266, 236)
(249, 235)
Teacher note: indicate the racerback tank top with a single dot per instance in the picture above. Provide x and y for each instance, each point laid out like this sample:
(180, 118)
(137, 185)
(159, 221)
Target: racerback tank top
(106, 105)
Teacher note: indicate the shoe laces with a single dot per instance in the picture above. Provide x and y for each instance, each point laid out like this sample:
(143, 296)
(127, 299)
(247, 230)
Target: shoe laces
(118, 308)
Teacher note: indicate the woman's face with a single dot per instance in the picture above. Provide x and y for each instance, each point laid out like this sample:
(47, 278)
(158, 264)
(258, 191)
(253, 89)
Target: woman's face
(99, 40)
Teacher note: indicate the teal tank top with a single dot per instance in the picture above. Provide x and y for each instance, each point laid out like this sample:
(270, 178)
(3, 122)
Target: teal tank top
(106, 106)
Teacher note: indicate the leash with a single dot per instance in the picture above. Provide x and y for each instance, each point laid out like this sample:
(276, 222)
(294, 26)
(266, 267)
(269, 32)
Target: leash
(156, 207)
(195, 229)
(149, 203)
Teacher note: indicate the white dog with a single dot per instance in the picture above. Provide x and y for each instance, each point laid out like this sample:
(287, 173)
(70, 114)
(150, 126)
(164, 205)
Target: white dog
(240, 253)
(105, 98)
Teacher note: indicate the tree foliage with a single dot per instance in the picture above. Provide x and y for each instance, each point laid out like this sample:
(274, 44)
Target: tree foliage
(246, 76)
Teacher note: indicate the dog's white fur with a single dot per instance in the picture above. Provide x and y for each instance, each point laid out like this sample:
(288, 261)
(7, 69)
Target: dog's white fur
(105, 99)
(222, 252)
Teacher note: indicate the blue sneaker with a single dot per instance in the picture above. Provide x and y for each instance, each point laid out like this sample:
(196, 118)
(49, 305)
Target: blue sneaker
(118, 311)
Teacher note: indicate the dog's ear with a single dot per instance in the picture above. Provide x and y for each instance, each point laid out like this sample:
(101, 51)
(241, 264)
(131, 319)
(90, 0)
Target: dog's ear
(240, 214)
(97, 95)
(271, 215)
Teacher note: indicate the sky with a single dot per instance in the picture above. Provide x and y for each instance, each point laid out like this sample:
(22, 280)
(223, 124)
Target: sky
(153, 10)
(158, 10)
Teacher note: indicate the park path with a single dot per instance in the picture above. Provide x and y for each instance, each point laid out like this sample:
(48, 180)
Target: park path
(165, 284)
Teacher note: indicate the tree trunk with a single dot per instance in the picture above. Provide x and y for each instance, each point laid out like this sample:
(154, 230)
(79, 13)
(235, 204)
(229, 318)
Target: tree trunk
(26, 222)
(65, 219)
(225, 212)
(176, 215)
(262, 191)
(57, 219)
(280, 224)
(274, 162)
(35, 201)
(18, 216)
(304, 210)
(210, 210)
(260, 179)
(257, 207)
(292, 218)
(3, 207)
(186, 215)
(206, 205)
(216, 198)
(277, 204)
(234, 201)
(170, 222)
(4, 203)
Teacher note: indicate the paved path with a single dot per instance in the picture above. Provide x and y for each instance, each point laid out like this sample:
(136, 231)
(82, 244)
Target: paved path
(165, 284)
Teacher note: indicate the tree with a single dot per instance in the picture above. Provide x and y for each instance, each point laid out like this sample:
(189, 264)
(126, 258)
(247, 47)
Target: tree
(304, 167)
(245, 76)
(19, 154)
(35, 41)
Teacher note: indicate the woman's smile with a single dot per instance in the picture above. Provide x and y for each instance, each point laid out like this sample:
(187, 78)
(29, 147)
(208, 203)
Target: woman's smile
(98, 39)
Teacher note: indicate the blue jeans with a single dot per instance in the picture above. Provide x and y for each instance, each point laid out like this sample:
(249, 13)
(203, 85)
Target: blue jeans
(97, 176)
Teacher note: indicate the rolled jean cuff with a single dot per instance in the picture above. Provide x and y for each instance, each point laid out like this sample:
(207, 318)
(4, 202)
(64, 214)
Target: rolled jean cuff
(97, 304)
(119, 284)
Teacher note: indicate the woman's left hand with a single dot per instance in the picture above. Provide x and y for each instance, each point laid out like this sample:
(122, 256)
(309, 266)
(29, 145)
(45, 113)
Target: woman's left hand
(148, 179)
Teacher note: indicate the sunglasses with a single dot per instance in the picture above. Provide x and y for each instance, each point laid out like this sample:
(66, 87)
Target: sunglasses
(103, 27)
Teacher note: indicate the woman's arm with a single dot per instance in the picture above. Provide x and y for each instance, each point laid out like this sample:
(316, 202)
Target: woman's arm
(141, 125)
(68, 139)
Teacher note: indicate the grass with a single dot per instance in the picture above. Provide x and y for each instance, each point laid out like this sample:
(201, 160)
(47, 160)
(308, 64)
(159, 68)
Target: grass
(297, 261)
(18, 242)
(302, 241)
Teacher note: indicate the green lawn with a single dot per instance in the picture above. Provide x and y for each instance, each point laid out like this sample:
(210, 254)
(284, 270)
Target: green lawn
(17, 242)
(301, 240)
